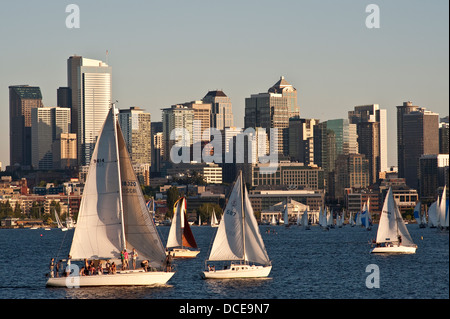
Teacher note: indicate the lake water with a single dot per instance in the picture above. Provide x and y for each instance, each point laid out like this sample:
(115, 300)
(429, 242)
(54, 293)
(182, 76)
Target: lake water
(312, 264)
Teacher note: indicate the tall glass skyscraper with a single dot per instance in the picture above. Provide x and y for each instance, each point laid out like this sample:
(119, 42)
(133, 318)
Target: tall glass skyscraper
(90, 82)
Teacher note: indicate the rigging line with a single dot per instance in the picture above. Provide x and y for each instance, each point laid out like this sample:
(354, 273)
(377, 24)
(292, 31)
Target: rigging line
(60, 246)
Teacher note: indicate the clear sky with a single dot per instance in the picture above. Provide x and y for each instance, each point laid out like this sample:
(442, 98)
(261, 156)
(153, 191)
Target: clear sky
(174, 51)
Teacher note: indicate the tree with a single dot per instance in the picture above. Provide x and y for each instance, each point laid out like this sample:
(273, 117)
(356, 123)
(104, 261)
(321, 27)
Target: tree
(172, 196)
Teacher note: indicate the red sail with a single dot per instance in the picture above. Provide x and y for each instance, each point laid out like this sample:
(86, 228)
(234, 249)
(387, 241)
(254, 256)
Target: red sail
(188, 237)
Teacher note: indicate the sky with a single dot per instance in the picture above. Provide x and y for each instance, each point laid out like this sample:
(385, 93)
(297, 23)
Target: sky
(168, 52)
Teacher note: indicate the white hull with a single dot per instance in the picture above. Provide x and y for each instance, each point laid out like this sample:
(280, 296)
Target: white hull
(394, 250)
(238, 271)
(121, 278)
(183, 253)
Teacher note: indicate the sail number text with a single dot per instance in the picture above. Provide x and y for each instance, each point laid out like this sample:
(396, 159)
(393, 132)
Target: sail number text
(129, 187)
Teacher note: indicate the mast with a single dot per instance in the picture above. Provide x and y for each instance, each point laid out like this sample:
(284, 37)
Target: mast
(124, 242)
(243, 214)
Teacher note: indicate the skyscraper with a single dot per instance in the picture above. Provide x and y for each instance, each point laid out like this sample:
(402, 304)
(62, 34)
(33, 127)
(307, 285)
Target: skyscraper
(90, 82)
(178, 119)
(22, 99)
(284, 88)
(406, 108)
(371, 124)
(221, 109)
(47, 125)
(420, 137)
(136, 129)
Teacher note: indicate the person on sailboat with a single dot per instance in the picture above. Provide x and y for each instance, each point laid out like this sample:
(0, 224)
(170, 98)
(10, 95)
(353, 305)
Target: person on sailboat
(168, 262)
(125, 256)
(134, 256)
(52, 266)
(399, 240)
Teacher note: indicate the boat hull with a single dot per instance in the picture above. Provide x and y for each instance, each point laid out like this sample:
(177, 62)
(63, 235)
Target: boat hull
(121, 278)
(394, 250)
(238, 271)
(183, 253)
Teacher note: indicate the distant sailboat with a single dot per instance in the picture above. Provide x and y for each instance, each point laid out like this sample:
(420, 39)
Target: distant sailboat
(392, 235)
(418, 216)
(238, 240)
(180, 234)
(305, 222)
(433, 215)
(58, 221)
(113, 217)
(286, 214)
(442, 211)
(214, 222)
(365, 217)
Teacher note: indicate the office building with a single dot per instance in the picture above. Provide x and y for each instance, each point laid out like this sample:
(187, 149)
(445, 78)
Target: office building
(90, 82)
(179, 120)
(433, 173)
(420, 137)
(406, 108)
(352, 171)
(301, 140)
(47, 125)
(443, 135)
(64, 151)
(221, 109)
(22, 99)
(371, 124)
(270, 111)
(290, 93)
(136, 129)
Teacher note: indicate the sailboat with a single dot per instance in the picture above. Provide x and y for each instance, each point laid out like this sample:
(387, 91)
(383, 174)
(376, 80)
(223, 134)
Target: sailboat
(286, 215)
(418, 216)
(392, 235)
(238, 240)
(58, 222)
(180, 234)
(214, 222)
(365, 217)
(113, 217)
(432, 214)
(442, 211)
(305, 222)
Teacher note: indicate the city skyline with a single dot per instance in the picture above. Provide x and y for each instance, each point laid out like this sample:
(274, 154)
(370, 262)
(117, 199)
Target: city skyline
(334, 61)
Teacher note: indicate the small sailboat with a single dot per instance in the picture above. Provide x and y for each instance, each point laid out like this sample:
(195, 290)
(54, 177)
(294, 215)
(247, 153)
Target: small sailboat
(113, 217)
(433, 214)
(58, 221)
(418, 216)
(305, 222)
(180, 234)
(238, 240)
(442, 211)
(365, 217)
(214, 222)
(286, 214)
(392, 235)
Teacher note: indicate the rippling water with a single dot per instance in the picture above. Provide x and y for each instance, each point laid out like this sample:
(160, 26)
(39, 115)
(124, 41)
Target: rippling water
(306, 265)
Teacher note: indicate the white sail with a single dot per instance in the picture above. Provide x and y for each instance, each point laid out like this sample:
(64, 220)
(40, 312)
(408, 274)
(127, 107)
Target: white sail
(238, 236)
(432, 215)
(286, 214)
(441, 209)
(99, 232)
(329, 218)
(391, 224)
(175, 238)
(139, 228)
(305, 219)
(214, 222)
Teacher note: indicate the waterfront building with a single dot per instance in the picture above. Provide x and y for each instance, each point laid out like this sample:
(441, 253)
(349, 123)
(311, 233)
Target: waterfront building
(47, 125)
(135, 124)
(22, 99)
(90, 82)
(420, 137)
(263, 199)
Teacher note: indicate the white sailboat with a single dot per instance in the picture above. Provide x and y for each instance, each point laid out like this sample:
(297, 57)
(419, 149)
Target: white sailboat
(58, 222)
(113, 217)
(432, 215)
(442, 211)
(180, 234)
(214, 222)
(392, 235)
(286, 214)
(238, 240)
(305, 222)
(420, 218)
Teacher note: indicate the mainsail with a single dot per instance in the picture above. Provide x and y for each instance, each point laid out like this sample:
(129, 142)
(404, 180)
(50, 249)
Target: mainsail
(391, 224)
(180, 234)
(113, 215)
(238, 236)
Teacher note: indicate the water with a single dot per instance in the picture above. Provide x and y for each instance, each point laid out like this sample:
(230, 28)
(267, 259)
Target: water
(306, 265)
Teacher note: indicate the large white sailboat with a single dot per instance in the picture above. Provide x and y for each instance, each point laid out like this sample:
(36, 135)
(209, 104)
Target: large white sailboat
(180, 234)
(392, 235)
(113, 217)
(238, 241)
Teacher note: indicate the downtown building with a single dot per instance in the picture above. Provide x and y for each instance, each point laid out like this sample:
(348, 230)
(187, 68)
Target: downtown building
(22, 99)
(90, 83)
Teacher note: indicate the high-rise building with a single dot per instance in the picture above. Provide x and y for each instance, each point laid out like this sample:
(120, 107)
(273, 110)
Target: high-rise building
(284, 88)
(443, 135)
(22, 99)
(201, 121)
(301, 139)
(157, 146)
(406, 108)
(420, 137)
(352, 171)
(179, 120)
(64, 97)
(371, 124)
(270, 111)
(221, 109)
(47, 125)
(90, 82)
(136, 129)
(432, 174)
